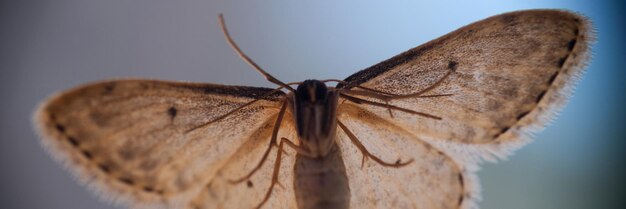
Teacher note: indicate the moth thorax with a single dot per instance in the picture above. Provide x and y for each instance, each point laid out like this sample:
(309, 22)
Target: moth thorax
(315, 114)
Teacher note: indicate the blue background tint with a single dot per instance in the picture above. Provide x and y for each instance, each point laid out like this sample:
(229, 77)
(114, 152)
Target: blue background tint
(47, 46)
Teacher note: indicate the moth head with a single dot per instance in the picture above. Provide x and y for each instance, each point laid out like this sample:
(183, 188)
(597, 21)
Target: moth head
(312, 92)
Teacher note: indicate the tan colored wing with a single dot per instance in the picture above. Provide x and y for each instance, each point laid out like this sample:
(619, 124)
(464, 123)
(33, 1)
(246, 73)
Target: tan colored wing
(434, 180)
(128, 139)
(221, 193)
(510, 73)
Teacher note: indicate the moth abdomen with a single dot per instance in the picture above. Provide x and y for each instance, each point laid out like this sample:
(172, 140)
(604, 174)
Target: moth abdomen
(321, 183)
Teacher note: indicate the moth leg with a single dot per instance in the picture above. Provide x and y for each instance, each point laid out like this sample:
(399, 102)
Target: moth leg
(435, 95)
(363, 101)
(389, 109)
(295, 83)
(279, 154)
(373, 94)
(368, 92)
(367, 154)
(385, 96)
(272, 143)
(427, 89)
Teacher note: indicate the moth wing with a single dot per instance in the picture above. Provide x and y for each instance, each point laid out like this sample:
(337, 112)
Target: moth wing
(509, 75)
(220, 192)
(433, 180)
(133, 141)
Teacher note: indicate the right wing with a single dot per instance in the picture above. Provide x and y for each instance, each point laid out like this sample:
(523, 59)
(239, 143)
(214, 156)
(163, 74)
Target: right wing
(505, 77)
(433, 180)
(143, 142)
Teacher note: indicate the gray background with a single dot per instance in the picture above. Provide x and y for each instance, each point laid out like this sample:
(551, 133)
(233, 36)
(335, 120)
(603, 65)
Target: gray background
(47, 46)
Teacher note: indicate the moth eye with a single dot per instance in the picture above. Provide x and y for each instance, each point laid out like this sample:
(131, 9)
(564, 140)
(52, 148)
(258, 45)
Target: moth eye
(302, 93)
(321, 91)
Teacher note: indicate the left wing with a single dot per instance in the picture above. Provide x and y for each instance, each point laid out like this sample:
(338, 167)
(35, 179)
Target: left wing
(219, 192)
(131, 140)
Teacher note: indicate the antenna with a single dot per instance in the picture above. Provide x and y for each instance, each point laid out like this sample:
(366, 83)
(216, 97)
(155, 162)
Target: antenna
(247, 59)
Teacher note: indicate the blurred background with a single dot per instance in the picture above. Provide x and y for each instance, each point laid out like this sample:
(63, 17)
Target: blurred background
(48, 46)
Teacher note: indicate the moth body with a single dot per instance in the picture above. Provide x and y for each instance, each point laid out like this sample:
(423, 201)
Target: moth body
(321, 180)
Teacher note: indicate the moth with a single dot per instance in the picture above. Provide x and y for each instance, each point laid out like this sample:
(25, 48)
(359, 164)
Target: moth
(408, 132)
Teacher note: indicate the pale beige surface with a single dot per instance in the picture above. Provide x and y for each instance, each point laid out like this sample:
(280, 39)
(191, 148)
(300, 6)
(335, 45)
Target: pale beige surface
(122, 139)
(433, 180)
(220, 193)
(510, 75)
(95, 130)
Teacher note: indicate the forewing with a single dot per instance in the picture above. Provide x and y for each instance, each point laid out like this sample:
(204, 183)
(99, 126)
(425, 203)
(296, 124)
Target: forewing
(433, 180)
(510, 73)
(134, 140)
